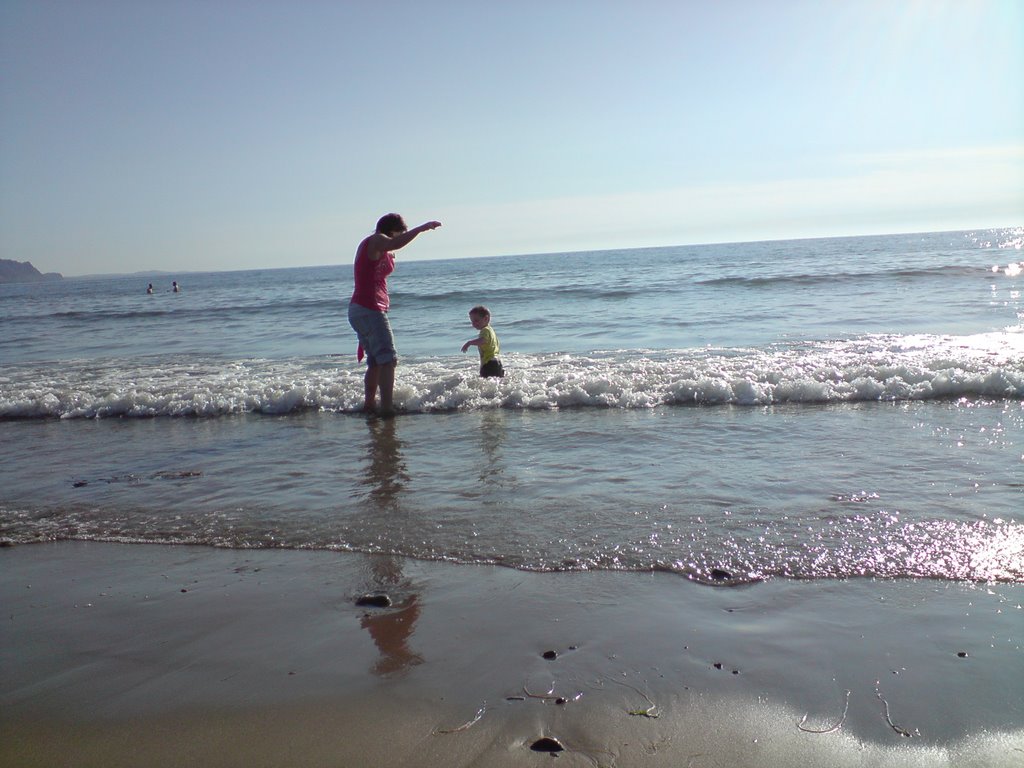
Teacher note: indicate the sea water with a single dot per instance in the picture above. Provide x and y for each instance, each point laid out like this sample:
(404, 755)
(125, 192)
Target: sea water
(815, 409)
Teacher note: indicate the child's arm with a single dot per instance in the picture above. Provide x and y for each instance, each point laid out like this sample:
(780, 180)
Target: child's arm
(471, 343)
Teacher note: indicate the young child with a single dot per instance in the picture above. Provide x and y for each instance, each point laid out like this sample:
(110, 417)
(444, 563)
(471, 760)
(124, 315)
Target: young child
(486, 342)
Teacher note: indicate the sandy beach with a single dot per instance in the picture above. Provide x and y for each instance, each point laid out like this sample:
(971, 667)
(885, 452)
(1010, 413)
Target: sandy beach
(127, 655)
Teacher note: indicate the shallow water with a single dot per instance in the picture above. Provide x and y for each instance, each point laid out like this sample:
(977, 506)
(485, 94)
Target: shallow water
(809, 409)
(907, 489)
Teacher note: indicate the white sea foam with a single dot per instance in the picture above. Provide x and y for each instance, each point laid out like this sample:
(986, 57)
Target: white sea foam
(886, 368)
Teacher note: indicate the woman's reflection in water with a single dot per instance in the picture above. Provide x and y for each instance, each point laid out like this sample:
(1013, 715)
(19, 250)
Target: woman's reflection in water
(390, 628)
(385, 477)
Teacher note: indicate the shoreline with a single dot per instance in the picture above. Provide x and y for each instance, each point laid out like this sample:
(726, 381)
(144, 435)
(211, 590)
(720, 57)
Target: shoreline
(127, 654)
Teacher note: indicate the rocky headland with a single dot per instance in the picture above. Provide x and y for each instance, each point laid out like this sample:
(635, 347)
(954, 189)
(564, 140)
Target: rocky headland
(23, 272)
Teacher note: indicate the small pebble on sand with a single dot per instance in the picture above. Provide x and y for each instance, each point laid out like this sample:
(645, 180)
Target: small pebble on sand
(376, 600)
(547, 745)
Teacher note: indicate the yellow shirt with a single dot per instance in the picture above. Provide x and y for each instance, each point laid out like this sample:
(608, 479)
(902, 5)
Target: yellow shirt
(489, 347)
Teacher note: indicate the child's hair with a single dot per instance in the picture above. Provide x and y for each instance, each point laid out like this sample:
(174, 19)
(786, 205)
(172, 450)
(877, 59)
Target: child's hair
(391, 222)
(480, 311)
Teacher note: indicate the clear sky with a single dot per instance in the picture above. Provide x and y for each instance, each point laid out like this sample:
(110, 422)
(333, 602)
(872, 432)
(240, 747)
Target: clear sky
(235, 134)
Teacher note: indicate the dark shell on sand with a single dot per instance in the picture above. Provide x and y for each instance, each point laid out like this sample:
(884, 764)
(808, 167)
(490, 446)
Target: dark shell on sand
(377, 600)
(549, 655)
(547, 745)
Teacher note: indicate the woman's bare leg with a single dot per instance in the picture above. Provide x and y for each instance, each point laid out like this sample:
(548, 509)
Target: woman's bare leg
(370, 383)
(386, 380)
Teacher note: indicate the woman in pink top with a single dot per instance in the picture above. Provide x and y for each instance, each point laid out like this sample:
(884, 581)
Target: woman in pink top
(368, 310)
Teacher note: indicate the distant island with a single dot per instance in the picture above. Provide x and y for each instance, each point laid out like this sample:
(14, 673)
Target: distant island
(23, 272)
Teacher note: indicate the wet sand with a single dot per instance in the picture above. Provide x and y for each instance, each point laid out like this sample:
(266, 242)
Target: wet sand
(127, 655)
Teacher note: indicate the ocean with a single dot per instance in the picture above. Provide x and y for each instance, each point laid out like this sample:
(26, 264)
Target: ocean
(810, 409)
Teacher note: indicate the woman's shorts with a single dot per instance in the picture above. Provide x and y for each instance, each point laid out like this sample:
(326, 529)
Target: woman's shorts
(374, 331)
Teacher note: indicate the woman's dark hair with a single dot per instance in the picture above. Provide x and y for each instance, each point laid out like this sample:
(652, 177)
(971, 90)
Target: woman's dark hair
(391, 222)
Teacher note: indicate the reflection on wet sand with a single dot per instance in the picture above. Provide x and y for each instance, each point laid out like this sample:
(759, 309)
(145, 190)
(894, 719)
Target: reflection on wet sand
(390, 628)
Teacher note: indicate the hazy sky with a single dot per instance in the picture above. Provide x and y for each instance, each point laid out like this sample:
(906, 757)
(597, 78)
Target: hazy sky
(231, 134)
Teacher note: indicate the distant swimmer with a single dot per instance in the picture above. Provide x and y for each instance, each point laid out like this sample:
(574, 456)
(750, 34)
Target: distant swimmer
(175, 287)
(486, 342)
(149, 288)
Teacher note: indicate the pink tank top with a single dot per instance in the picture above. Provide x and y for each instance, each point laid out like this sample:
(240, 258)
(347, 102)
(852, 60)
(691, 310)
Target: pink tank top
(372, 280)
